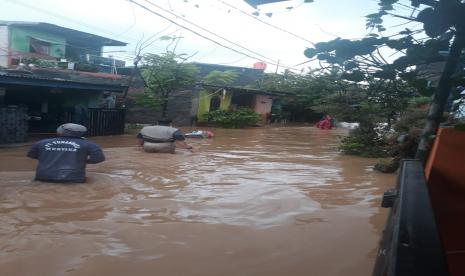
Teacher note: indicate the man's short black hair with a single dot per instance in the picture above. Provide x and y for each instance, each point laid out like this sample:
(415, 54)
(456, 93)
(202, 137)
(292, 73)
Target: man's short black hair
(164, 122)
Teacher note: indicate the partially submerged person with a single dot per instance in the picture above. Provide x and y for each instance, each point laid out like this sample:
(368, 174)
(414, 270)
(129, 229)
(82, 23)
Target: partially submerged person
(162, 138)
(200, 134)
(325, 123)
(64, 159)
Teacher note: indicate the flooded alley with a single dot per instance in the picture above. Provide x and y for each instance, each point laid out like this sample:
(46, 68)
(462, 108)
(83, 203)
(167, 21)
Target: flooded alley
(262, 201)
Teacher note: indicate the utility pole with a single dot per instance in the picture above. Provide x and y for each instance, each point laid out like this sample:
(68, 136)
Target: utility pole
(277, 66)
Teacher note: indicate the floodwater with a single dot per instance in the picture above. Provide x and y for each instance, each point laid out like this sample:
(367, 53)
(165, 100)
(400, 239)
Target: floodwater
(264, 201)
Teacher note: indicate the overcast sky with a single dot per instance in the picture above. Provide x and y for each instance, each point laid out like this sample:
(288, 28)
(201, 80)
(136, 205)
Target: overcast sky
(322, 20)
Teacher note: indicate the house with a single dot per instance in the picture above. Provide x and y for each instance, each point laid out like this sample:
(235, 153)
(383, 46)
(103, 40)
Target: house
(214, 97)
(190, 104)
(50, 75)
(241, 93)
(51, 45)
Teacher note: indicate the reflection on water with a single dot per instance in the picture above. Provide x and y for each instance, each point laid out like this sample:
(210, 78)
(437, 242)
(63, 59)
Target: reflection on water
(265, 201)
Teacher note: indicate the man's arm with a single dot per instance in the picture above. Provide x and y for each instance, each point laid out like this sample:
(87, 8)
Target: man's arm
(181, 140)
(95, 154)
(34, 151)
(185, 145)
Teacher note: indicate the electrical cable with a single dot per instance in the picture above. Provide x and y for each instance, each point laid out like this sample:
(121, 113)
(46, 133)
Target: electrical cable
(205, 37)
(71, 20)
(151, 11)
(208, 31)
(232, 62)
(266, 23)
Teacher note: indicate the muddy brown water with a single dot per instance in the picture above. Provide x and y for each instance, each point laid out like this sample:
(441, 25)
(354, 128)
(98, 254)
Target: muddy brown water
(265, 201)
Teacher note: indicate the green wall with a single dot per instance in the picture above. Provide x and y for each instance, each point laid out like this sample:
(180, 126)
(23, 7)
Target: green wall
(19, 38)
(205, 98)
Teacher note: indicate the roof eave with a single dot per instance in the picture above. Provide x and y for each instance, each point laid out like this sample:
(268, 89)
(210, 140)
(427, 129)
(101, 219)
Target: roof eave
(104, 41)
(59, 83)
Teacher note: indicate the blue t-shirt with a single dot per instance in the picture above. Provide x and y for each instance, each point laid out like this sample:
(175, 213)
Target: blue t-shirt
(64, 159)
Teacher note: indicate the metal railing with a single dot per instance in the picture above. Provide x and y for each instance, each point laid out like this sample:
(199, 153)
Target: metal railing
(102, 121)
(410, 245)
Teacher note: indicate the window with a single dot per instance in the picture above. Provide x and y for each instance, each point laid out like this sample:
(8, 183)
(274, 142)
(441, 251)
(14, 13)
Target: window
(215, 103)
(39, 46)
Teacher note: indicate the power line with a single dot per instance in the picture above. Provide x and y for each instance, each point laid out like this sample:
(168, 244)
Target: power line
(71, 20)
(232, 62)
(203, 36)
(266, 23)
(144, 7)
(208, 53)
(208, 31)
(60, 16)
(134, 22)
(302, 63)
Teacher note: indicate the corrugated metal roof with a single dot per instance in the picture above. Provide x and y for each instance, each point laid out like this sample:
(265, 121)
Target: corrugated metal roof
(28, 78)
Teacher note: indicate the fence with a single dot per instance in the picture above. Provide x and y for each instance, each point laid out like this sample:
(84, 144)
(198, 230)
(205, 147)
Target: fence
(103, 121)
(13, 124)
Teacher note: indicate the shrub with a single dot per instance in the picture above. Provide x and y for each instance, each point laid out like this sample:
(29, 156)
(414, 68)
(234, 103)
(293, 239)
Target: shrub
(86, 67)
(364, 141)
(240, 118)
(412, 118)
(387, 165)
(40, 62)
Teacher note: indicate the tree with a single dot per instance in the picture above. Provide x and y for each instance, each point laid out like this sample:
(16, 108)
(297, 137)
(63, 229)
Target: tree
(319, 92)
(163, 75)
(445, 29)
(221, 77)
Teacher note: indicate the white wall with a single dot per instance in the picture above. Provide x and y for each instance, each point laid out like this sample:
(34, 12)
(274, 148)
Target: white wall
(263, 105)
(4, 46)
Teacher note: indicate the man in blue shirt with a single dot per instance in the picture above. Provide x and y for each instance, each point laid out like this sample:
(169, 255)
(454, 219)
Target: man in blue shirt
(64, 159)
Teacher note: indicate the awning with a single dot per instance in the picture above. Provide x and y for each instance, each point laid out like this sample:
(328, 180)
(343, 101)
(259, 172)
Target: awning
(46, 40)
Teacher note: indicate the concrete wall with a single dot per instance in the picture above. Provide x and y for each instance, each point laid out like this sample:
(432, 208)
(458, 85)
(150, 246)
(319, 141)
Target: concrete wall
(20, 41)
(263, 105)
(182, 108)
(4, 46)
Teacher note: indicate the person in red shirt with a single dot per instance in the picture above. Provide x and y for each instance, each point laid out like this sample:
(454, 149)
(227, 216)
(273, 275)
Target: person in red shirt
(325, 123)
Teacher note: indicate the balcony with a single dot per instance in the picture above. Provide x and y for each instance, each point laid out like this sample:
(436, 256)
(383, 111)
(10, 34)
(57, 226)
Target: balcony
(86, 63)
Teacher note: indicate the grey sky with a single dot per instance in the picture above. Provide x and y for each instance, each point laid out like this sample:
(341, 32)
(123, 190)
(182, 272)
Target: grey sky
(119, 19)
